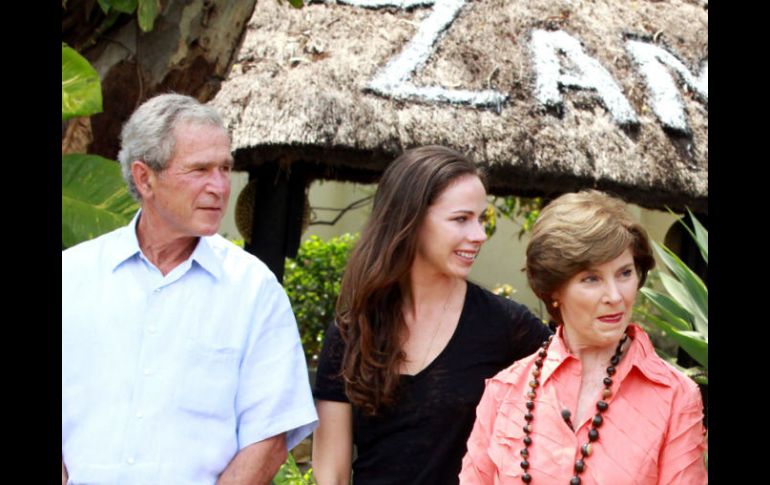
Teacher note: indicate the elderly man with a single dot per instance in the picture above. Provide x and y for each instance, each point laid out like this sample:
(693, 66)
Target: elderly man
(181, 360)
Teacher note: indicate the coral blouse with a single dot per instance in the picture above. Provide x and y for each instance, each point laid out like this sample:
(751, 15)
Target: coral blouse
(652, 432)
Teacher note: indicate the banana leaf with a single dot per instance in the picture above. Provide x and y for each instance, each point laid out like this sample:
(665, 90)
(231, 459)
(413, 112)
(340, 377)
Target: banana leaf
(81, 92)
(95, 199)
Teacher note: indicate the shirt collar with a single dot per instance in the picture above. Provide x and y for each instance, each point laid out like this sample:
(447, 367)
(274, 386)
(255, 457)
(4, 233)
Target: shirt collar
(558, 353)
(642, 356)
(206, 257)
(127, 246)
(638, 355)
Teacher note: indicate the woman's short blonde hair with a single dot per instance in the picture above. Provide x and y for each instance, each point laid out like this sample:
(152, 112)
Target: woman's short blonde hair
(577, 231)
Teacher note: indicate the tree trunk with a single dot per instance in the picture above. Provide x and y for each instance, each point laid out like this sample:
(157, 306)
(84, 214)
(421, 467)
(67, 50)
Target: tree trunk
(189, 50)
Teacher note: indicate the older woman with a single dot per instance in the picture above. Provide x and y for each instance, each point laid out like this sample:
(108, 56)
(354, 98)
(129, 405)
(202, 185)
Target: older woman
(595, 405)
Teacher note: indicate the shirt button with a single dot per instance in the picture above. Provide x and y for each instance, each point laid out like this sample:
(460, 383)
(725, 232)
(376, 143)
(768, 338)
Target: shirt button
(151, 329)
(130, 461)
(147, 372)
(139, 415)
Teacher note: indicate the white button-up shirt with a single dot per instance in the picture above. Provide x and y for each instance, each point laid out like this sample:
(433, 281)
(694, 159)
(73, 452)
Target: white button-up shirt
(165, 378)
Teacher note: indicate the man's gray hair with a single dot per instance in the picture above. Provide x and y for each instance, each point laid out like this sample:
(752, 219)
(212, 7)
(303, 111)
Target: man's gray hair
(148, 135)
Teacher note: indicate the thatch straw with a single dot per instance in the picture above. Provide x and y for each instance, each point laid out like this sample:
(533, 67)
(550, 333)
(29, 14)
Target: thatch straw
(302, 89)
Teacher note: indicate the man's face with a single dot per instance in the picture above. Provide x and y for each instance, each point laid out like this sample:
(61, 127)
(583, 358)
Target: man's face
(190, 196)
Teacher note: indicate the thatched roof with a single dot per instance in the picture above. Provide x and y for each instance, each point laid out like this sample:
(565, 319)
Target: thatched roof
(316, 85)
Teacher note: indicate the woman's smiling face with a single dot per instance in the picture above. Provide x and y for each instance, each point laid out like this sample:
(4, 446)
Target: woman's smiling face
(452, 232)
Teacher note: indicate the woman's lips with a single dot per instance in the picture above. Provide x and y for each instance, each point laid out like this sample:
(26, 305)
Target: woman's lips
(613, 318)
(468, 256)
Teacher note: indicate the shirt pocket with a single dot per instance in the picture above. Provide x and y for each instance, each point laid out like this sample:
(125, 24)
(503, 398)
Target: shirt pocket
(209, 380)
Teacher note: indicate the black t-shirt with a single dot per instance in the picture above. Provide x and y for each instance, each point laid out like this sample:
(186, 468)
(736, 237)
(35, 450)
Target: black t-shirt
(422, 438)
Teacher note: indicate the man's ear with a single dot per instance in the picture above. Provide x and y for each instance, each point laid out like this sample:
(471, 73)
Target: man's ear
(144, 178)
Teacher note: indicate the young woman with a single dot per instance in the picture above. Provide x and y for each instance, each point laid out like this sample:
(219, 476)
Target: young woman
(403, 367)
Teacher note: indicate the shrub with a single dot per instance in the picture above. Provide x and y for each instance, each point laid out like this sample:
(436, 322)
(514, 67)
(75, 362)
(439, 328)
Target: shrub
(312, 282)
(681, 311)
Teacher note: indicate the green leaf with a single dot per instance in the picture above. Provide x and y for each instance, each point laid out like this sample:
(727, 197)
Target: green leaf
(148, 11)
(701, 236)
(81, 92)
(692, 342)
(289, 473)
(684, 297)
(675, 314)
(701, 379)
(678, 292)
(125, 6)
(694, 286)
(105, 4)
(95, 199)
(296, 3)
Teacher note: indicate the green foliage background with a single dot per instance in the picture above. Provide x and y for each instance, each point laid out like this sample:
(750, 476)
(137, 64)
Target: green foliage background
(312, 282)
(680, 308)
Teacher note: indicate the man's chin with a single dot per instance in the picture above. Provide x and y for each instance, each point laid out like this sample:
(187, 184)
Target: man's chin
(207, 230)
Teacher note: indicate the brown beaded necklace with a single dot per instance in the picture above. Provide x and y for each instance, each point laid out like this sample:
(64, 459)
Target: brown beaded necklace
(596, 422)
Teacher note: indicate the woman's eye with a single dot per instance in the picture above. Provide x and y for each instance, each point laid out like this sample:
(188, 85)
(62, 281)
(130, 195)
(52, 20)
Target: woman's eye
(627, 273)
(461, 219)
(590, 279)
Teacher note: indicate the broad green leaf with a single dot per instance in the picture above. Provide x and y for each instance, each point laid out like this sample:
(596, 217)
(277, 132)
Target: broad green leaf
(684, 296)
(95, 199)
(125, 6)
(148, 11)
(296, 3)
(677, 291)
(674, 313)
(701, 324)
(701, 237)
(692, 282)
(81, 92)
(692, 342)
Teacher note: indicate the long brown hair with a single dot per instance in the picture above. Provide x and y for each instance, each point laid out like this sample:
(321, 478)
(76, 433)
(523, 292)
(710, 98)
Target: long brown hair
(369, 308)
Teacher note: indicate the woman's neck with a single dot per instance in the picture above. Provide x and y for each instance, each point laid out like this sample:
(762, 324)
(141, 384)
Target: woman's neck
(429, 291)
(591, 358)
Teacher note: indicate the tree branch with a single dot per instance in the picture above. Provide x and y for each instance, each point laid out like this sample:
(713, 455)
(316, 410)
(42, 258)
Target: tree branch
(354, 205)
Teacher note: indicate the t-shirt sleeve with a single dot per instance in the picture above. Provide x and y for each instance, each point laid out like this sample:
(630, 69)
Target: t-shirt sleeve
(329, 385)
(527, 332)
